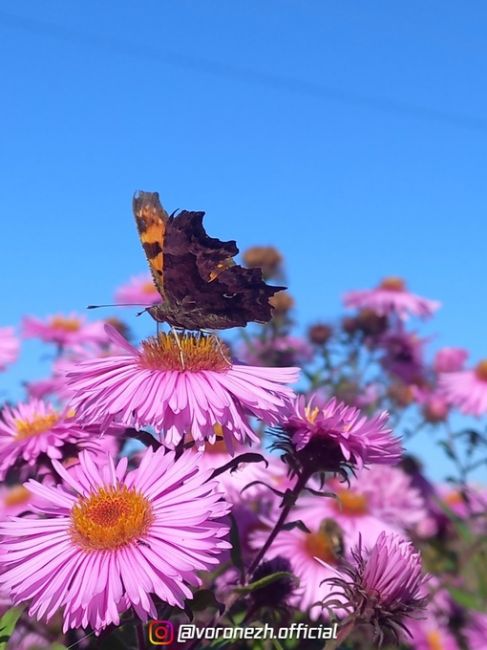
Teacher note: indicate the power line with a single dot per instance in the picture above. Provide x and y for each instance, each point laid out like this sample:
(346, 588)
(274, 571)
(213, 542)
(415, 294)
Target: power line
(280, 82)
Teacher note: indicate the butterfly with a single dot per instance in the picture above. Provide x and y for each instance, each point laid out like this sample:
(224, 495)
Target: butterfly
(200, 284)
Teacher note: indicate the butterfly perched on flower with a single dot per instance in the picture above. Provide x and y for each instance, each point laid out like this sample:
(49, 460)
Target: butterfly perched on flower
(200, 284)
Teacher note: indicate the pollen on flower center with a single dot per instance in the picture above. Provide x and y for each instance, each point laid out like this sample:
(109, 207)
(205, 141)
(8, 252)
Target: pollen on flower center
(198, 351)
(39, 424)
(352, 503)
(481, 370)
(110, 518)
(393, 284)
(17, 495)
(434, 640)
(320, 545)
(66, 324)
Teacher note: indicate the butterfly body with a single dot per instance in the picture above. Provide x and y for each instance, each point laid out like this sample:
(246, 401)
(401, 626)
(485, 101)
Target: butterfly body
(200, 285)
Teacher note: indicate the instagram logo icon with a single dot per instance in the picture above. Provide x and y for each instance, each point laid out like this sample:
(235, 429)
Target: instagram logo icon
(161, 632)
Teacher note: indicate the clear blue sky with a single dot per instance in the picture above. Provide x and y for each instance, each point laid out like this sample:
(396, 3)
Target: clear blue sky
(351, 135)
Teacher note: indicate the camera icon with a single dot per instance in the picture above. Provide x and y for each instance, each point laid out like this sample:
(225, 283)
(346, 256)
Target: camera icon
(161, 632)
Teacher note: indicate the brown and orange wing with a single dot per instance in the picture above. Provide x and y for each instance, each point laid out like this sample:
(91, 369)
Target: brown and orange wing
(151, 219)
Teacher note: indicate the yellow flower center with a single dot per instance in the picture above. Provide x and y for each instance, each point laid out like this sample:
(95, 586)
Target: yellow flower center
(66, 324)
(481, 370)
(433, 638)
(311, 413)
(148, 287)
(16, 496)
(39, 424)
(393, 284)
(193, 352)
(110, 518)
(320, 545)
(351, 503)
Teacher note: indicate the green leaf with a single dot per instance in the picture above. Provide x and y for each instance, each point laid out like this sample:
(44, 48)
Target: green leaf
(7, 625)
(466, 599)
(58, 646)
(264, 582)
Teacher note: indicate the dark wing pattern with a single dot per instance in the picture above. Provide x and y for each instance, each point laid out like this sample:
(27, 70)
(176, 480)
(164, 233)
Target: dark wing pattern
(198, 275)
(201, 286)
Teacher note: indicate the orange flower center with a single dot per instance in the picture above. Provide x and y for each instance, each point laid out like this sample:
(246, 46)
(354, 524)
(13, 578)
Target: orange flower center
(393, 284)
(16, 496)
(320, 545)
(66, 324)
(481, 370)
(351, 503)
(39, 424)
(191, 352)
(148, 287)
(454, 498)
(110, 518)
(433, 638)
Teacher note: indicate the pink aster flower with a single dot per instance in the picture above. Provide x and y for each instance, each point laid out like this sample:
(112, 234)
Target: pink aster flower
(193, 389)
(450, 359)
(281, 351)
(302, 549)
(140, 290)
(34, 428)
(403, 355)
(64, 330)
(429, 634)
(14, 500)
(9, 346)
(383, 586)
(335, 436)
(377, 499)
(476, 630)
(467, 389)
(391, 297)
(434, 405)
(110, 539)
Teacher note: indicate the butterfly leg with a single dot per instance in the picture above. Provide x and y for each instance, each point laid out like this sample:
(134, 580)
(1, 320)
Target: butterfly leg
(180, 347)
(218, 345)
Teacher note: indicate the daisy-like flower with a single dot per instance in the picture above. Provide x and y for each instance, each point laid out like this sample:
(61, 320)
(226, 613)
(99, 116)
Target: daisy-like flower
(64, 330)
(111, 539)
(377, 499)
(450, 359)
(384, 586)
(140, 290)
(301, 548)
(430, 634)
(391, 297)
(282, 351)
(33, 428)
(403, 355)
(467, 389)
(14, 500)
(334, 436)
(434, 405)
(180, 390)
(9, 346)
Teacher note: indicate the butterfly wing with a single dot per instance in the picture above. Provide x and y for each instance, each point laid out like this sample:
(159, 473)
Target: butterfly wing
(151, 220)
(201, 278)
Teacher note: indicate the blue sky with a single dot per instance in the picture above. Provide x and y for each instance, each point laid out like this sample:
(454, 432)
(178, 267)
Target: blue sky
(351, 135)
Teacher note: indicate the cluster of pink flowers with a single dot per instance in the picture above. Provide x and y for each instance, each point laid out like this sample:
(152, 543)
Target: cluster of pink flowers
(273, 483)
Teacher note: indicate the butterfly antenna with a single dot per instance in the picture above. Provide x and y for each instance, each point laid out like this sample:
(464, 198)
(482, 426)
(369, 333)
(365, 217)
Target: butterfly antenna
(120, 304)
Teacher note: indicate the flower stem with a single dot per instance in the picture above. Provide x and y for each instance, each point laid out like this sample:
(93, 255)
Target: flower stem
(141, 644)
(286, 509)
